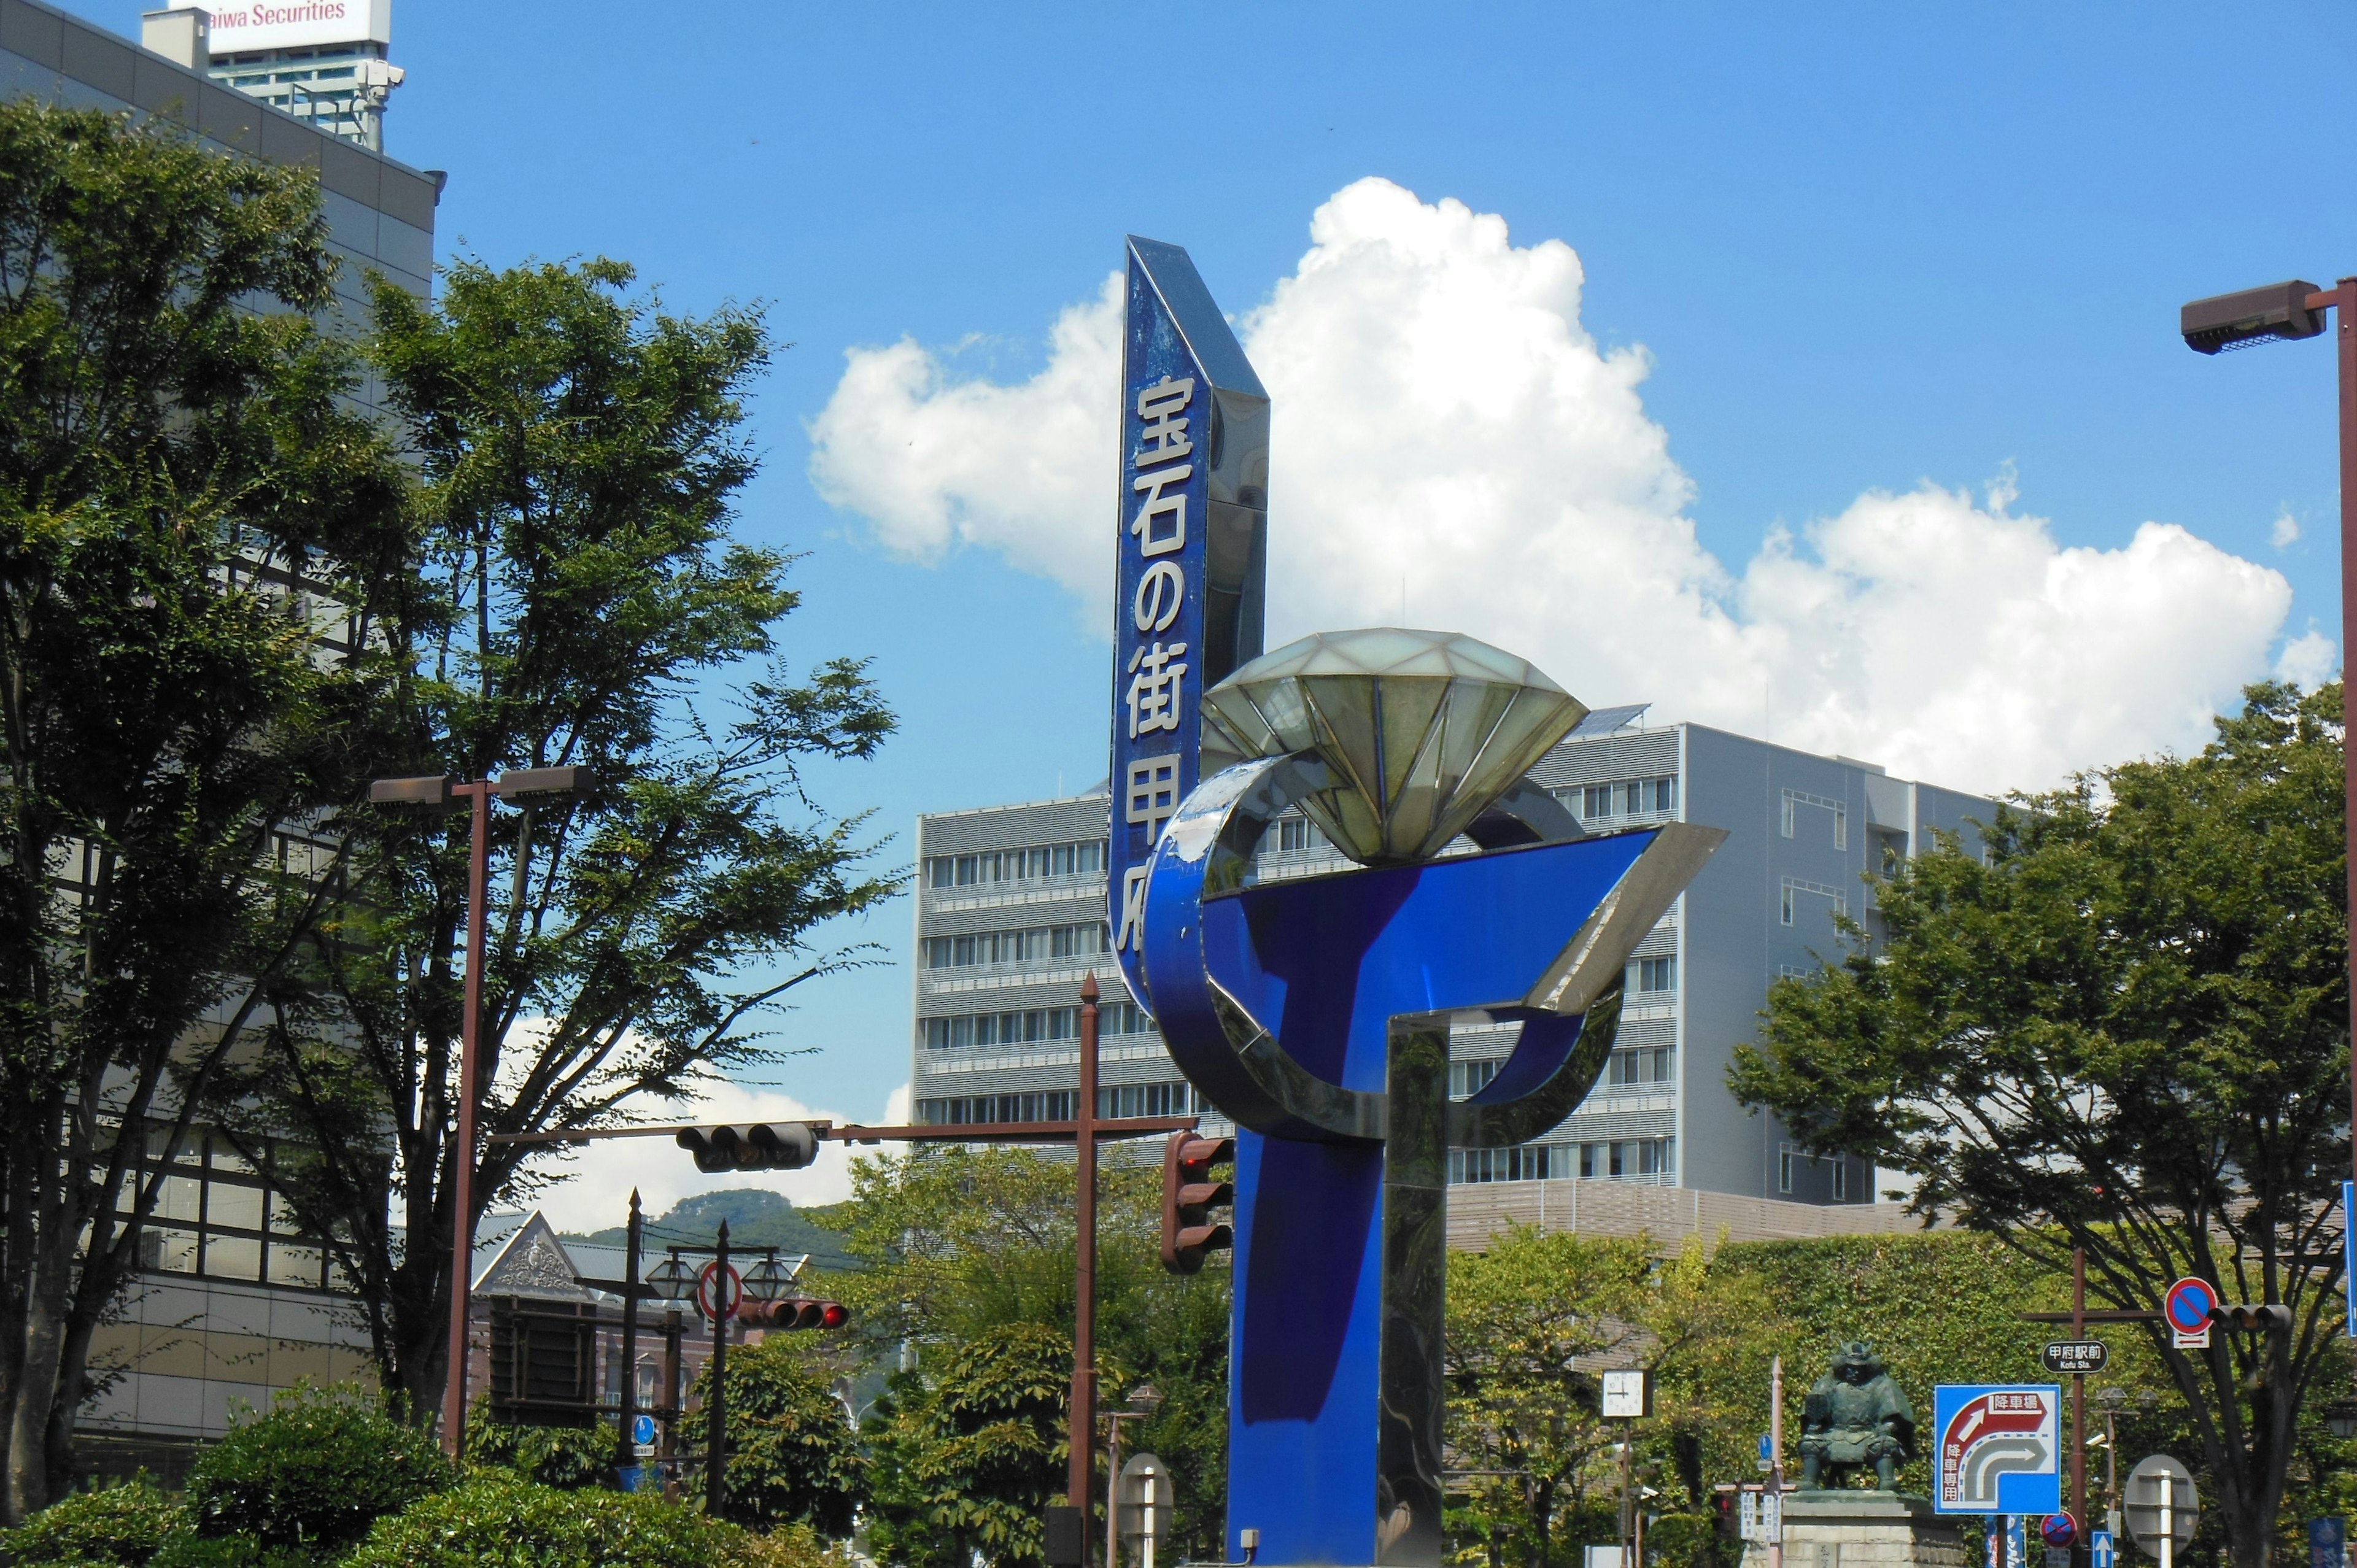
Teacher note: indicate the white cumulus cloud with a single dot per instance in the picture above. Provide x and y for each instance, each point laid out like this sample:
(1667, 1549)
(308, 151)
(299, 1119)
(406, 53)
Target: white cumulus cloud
(1445, 428)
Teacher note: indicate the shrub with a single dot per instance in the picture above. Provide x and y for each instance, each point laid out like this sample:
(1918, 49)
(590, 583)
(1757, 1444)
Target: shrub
(121, 1526)
(314, 1474)
(567, 1457)
(495, 1519)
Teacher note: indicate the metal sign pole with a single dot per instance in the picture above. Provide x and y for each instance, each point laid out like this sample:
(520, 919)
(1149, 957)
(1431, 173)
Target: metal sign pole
(626, 1447)
(715, 1442)
(2079, 1397)
(2168, 1521)
(1776, 1465)
(1084, 1274)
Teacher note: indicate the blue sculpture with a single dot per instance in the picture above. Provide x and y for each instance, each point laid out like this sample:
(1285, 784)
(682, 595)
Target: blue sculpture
(1315, 1012)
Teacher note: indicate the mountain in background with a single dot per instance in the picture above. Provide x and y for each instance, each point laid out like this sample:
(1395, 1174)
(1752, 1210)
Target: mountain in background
(757, 1217)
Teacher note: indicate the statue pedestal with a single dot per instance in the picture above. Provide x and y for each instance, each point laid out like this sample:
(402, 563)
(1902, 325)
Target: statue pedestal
(1863, 1530)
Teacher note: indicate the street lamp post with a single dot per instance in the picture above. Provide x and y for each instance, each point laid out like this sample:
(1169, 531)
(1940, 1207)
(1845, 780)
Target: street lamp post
(2294, 310)
(437, 792)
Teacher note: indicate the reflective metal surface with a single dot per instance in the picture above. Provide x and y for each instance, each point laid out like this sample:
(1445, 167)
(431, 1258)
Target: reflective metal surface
(1422, 731)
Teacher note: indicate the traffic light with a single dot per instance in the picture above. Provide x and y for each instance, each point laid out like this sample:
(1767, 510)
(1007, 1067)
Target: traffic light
(794, 1311)
(755, 1147)
(1188, 1194)
(1726, 1512)
(2249, 1320)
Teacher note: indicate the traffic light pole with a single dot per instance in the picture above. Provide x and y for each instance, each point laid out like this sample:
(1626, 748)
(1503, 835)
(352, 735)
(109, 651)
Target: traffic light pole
(1084, 1270)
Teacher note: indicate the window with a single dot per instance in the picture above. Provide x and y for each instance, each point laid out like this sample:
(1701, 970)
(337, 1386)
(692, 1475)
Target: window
(1784, 1161)
(1641, 1064)
(1469, 1079)
(214, 1217)
(1657, 973)
(1525, 1162)
(1794, 797)
(1597, 801)
(1841, 1181)
(1297, 834)
(1173, 1098)
(1665, 794)
(1028, 1026)
(1017, 947)
(1794, 887)
(1634, 1159)
(1025, 864)
(1043, 1105)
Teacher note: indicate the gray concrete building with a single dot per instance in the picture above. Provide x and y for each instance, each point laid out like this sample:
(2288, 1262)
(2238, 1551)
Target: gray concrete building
(1011, 913)
(234, 1301)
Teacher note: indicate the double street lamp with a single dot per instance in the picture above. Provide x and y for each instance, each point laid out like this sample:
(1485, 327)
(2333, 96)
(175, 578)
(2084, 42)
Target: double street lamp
(440, 792)
(2294, 310)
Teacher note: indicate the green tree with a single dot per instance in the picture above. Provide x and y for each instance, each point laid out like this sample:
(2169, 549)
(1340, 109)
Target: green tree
(189, 524)
(793, 1457)
(968, 1454)
(958, 1245)
(2123, 1027)
(313, 1475)
(576, 597)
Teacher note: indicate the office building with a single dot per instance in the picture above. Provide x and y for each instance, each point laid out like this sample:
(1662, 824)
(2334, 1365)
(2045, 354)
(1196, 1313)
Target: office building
(1011, 913)
(322, 62)
(233, 1301)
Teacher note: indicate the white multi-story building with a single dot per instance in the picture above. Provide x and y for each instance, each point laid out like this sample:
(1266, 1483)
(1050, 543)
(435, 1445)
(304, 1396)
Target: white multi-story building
(322, 62)
(1011, 914)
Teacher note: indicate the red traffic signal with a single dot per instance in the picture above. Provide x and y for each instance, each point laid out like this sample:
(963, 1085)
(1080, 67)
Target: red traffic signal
(1189, 1195)
(794, 1311)
(758, 1146)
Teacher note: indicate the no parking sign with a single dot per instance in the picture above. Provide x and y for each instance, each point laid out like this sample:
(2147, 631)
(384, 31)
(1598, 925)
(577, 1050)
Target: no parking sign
(2188, 1307)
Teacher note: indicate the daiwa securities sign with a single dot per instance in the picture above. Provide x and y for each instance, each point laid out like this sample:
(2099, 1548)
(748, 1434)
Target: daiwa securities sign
(241, 25)
(1998, 1448)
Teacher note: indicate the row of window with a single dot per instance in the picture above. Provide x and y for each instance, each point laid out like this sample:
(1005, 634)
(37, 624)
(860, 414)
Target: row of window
(1657, 973)
(1088, 937)
(1014, 865)
(1629, 1064)
(214, 1217)
(1287, 834)
(1623, 796)
(1031, 1024)
(1175, 1098)
(1795, 798)
(1628, 1159)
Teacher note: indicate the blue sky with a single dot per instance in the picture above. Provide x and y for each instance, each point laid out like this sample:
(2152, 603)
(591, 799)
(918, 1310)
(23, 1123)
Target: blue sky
(1865, 248)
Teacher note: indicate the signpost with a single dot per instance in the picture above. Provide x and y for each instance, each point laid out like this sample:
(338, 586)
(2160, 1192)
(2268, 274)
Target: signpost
(2060, 1531)
(2349, 1251)
(2187, 1306)
(1998, 1448)
(2075, 1357)
(2103, 1549)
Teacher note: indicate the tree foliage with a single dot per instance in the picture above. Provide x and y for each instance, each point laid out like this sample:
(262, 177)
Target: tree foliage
(186, 511)
(957, 1246)
(2125, 1029)
(793, 1457)
(575, 597)
(967, 1458)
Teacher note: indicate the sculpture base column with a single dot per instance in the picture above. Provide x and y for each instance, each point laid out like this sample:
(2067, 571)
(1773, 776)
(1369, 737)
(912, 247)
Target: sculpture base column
(1863, 1530)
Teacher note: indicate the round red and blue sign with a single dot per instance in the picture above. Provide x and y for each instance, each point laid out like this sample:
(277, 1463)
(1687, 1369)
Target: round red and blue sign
(2189, 1305)
(2060, 1531)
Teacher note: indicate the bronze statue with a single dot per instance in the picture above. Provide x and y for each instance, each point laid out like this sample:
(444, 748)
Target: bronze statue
(1855, 1415)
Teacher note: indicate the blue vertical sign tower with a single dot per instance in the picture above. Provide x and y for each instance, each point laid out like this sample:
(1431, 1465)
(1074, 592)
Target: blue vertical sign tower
(1190, 558)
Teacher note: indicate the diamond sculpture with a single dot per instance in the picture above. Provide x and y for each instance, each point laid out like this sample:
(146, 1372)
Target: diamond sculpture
(1422, 729)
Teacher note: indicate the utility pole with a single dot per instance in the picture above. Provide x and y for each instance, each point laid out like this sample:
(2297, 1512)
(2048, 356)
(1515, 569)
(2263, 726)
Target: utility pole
(2079, 1402)
(1084, 1274)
